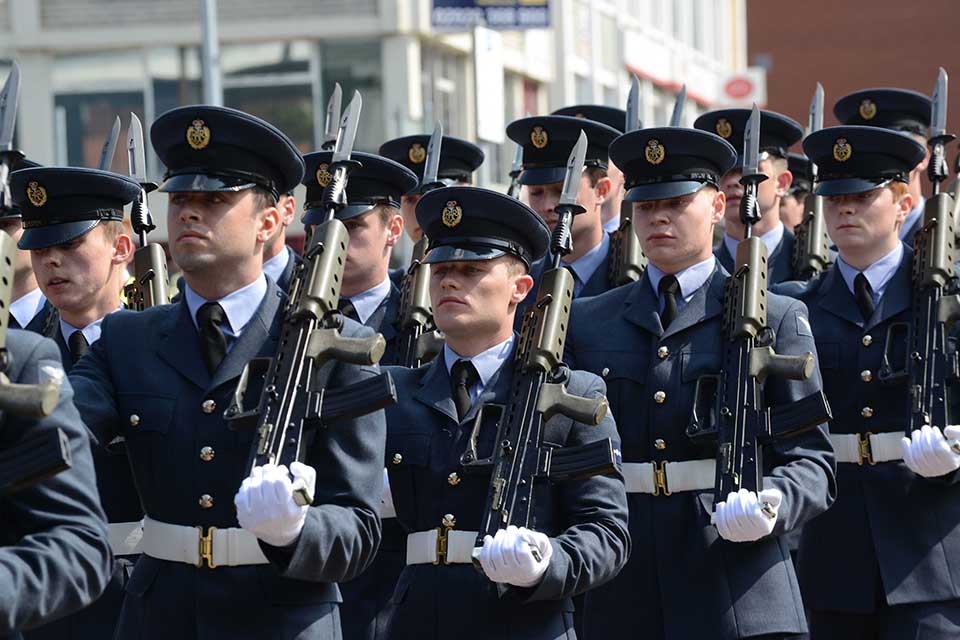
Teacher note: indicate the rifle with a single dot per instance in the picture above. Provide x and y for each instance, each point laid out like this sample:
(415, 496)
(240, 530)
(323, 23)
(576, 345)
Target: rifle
(418, 340)
(110, 146)
(540, 379)
(515, 169)
(729, 407)
(293, 394)
(149, 285)
(811, 250)
(932, 364)
(33, 458)
(626, 255)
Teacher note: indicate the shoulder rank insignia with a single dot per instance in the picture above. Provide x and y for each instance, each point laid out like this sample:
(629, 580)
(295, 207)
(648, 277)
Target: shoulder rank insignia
(417, 153)
(868, 109)
(323, 174)
(539, 137)
(36, 194)
(654, 151)
(724, 128)
(842, 151)
(198, 134)
(452, 214)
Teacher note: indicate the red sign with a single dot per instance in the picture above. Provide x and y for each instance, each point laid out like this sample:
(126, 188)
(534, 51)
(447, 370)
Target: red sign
(739, 87)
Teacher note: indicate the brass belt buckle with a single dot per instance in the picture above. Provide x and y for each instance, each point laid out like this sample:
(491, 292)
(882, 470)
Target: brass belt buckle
(448, 523)
(865, 452)
(206, 547)
(660, 479)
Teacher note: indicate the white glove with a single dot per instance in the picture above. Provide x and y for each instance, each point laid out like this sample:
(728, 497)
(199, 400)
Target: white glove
(929, 454)
(744, 518)
(265, 505)
(510, 557)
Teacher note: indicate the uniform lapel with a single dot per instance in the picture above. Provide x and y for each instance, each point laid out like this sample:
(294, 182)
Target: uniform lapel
(898, 295)
(178, 335)
(641, 306)
(287, 276)
(781, 260)
(706, 303)
(599, 281)
(251, 342)
(723, 256)
(39, 321)
(384, 317)
(836, 298)
(434, 389)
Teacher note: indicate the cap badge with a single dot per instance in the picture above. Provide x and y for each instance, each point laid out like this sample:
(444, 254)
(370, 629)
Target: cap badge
(539, 137)
(724, 128)
(36, 194)
(323, 175)
(654, 151)
(198, 134)
(452, 214)
(842, 151)
(417, 153)
(868, 109)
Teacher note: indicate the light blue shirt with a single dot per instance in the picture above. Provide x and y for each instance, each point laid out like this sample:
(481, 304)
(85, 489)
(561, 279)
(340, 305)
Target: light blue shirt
(91, 332)
(275, 266)
(911, 219)
(238, 306)
(367, 301)
(486, 363)
(26, 307)
(584, 266)
(612, 224)
(690, 279)
(771, 239)
(878, 274)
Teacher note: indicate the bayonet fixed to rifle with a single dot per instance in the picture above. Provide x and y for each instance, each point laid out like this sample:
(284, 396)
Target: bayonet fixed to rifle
(811, 249)
(331, 125)
(149, 285)
(730, 407)
(294, 394)
(110, 146)
(627, 261)
(515, 169)
(930, 364)
(418, 339)
(34, 457)
(519, 458)
(676, 118)
(9, 157)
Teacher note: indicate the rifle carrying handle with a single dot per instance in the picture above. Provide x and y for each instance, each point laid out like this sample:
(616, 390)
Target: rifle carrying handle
(328, 344)
(29, 400)
(764, 362)
(554, 399)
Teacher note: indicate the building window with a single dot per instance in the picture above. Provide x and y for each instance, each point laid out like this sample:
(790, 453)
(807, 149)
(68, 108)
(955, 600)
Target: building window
(356, 65)
(583, 87)
(444, 91)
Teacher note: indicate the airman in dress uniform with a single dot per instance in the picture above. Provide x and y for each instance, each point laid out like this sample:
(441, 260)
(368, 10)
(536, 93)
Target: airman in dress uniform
(692, 573)
(73, 230)
(547, 142)
(54, 547)
(482, 244)
(777, 134)
(369, 296)
(900, 110)
(615, 119)
(279, 260)
(458, 160)
(162, 379)
(878, 563)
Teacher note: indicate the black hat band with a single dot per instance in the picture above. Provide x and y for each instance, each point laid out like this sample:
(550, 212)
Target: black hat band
(592, 163)
(96, 214)
(898, 176)
(236, 174)
(706, 178)
(491, 243)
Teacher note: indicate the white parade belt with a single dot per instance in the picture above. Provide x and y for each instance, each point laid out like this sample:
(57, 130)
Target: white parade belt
(448, 546)
(231, 547)
(666, 478)
(125, 537)
(867, 447)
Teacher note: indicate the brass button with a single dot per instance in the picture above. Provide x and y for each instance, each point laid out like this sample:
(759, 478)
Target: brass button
(866, 375)
(659, 444)
(605, 372)
(867, 340)
(449, 521)
(206, 454)
(453, 479)
(397, 458)
(663, 352)
(866, 412)
(659, 397)
(134, 420)
(206, 501)
(208, 406)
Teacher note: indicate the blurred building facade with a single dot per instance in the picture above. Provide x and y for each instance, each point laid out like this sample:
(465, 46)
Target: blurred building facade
(86, 61)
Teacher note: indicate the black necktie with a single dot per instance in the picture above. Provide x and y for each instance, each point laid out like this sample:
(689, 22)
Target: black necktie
(669, 287)
(213, 343)
(78, 345)
(863, 293)
(463, 375)
(346, 308)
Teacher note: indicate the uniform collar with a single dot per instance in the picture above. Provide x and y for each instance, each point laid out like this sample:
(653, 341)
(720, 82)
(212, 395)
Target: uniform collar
(275, 266)
(486, 363)
(26, 307)
(878, 274)
(91, 332)
(366, 302)
(584, 266)
(690, 279)
(912, 218)
(771, 239)
(239, 305)
(612, 224)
